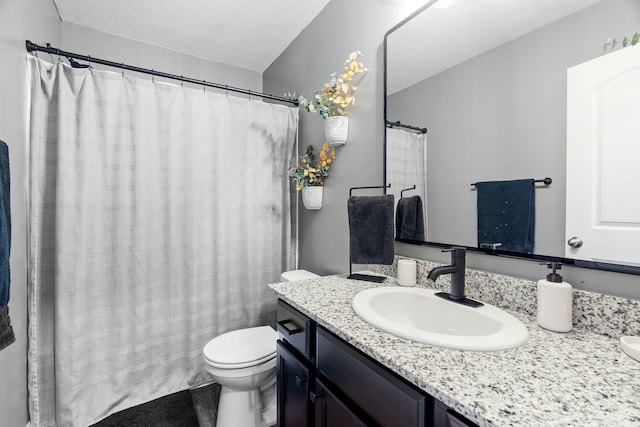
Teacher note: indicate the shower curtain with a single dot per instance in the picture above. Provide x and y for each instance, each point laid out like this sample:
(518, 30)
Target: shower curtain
(407, 166)
(157, 216)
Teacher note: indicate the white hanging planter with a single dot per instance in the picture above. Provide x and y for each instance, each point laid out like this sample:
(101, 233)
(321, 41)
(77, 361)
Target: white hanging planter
(336, 130)
(312, 197)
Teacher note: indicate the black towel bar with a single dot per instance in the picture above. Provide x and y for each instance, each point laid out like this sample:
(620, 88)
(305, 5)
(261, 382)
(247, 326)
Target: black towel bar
(547, 181)
(368, 188)
(406, 189)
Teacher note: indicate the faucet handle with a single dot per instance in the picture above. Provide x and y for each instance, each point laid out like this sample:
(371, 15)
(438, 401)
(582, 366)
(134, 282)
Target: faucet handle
(457, 251)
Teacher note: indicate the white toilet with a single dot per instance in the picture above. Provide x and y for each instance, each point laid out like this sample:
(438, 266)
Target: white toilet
(243, 362)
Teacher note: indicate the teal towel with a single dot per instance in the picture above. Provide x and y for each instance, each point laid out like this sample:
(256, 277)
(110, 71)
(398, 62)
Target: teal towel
(6, 331)
(506, 214)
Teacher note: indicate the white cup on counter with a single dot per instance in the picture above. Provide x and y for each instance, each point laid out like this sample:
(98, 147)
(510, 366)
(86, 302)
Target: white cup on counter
(407, 272)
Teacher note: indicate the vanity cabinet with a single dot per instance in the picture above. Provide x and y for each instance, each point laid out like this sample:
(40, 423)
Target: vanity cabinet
(384, 397)
(294, 379)
(325, 382)
(331, 410)
(295, 368)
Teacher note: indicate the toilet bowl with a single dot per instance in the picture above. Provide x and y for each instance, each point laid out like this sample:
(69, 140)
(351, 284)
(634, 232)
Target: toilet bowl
(243, 362)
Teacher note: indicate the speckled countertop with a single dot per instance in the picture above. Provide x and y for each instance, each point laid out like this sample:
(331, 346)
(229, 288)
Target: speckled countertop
(575, 379)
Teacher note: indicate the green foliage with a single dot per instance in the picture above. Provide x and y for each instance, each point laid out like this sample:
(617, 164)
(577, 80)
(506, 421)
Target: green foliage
(337, 94)
(308, 173)
(612, 42)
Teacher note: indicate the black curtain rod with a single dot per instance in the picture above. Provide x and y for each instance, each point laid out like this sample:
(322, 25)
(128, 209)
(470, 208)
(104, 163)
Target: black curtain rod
(400, 125)
(32, 47)
(546, 181)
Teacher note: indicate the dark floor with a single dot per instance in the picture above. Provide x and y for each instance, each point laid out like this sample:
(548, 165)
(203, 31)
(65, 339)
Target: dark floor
(175, 410)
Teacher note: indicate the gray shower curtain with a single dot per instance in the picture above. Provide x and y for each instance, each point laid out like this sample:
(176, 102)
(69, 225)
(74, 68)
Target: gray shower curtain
(157, 215)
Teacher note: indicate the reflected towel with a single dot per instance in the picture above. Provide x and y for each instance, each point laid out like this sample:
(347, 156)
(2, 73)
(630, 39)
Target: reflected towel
(506, 214)
(371, 229)
(6, 331)
(410, 219)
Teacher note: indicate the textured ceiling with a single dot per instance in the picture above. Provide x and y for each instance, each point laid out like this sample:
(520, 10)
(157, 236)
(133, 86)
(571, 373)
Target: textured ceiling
(248, 34)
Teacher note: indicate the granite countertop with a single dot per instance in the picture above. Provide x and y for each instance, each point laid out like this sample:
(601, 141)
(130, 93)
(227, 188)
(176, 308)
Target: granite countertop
(575, 379)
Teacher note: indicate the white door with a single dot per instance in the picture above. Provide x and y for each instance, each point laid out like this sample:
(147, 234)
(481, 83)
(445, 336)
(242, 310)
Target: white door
(603, 158)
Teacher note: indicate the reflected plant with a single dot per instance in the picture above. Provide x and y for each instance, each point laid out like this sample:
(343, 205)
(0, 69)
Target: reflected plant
(612, 42)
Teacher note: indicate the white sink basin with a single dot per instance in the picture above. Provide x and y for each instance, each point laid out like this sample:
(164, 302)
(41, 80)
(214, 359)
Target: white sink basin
(419, 315)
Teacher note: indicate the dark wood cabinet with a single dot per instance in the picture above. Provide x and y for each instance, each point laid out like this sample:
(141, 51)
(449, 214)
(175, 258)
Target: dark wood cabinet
(295, 379)
(325, 382)
(386, 398)
(331, 411)
(446, 417)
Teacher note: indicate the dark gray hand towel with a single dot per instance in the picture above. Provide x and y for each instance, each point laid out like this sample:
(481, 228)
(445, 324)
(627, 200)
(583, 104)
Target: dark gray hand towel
(506, 214)
(371, 229)
(6, 331)
(410, 219)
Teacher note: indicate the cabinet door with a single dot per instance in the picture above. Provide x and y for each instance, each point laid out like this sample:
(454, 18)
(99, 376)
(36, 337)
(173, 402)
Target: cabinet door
(294, 378)
(331, 411)
(446, 417)
(379, 393)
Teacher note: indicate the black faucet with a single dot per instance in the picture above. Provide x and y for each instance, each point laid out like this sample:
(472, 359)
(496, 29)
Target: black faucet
(457, 271)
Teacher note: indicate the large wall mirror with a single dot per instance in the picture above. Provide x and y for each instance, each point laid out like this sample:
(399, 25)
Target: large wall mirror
(496, 85)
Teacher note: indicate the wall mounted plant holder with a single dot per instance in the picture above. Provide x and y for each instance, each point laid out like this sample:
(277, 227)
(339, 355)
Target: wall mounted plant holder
(312, 197)
(336, 130)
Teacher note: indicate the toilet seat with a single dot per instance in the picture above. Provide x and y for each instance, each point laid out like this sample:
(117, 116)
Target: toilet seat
(241, 348)
(238, 365)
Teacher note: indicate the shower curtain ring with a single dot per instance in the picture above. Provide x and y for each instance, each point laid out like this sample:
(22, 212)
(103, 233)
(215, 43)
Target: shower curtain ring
(181, 80)
(122, 69)
(153, 76)
(204, 86)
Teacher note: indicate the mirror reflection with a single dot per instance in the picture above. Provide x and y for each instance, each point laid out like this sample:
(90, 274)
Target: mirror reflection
(489, 81)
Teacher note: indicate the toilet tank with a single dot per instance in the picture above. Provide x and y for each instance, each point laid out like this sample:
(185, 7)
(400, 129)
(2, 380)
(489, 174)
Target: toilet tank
(293, 275)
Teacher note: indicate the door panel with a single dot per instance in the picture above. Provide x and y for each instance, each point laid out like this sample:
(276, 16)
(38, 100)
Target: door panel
(603, 146)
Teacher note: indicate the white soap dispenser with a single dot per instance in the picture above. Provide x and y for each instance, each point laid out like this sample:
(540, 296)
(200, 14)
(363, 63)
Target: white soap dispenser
(555, 301)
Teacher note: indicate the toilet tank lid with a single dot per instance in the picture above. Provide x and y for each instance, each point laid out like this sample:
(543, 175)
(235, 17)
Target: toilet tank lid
(242, 345)
(293, 275)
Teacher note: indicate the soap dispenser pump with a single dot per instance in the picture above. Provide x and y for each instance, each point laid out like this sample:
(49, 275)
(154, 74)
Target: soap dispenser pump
(555, 301)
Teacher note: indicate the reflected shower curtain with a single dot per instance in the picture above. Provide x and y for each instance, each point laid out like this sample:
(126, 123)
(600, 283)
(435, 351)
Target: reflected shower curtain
(407, 165)
(157, 215)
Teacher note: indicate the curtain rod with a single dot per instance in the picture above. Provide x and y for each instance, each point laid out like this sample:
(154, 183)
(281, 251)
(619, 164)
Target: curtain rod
(31, 47)
(400, 125)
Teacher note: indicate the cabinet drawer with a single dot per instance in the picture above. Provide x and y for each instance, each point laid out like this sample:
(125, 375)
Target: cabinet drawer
(296, 328)
(379, 393)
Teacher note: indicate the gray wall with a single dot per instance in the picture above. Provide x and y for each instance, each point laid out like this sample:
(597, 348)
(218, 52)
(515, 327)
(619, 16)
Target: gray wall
(86, 41)
(306, 64)
(501, 116)
(38, 21)
(343, 26)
